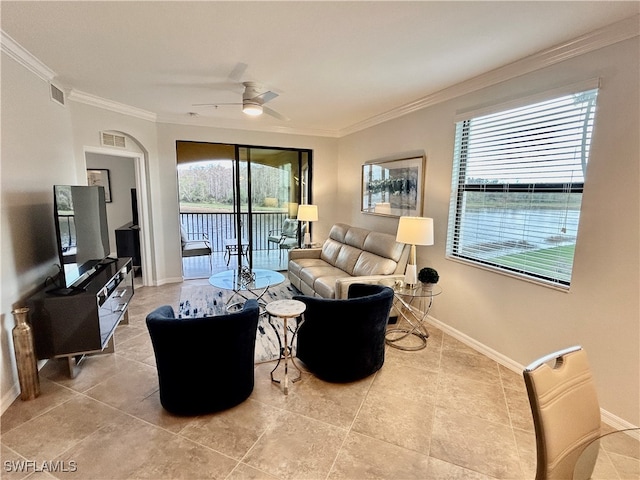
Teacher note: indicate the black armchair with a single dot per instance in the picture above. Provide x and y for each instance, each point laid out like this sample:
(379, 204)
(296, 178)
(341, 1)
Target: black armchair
(204, 364)
(344, 340)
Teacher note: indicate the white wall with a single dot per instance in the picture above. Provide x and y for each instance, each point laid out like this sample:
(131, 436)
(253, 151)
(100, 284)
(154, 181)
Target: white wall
(37, 153)
(519, 320)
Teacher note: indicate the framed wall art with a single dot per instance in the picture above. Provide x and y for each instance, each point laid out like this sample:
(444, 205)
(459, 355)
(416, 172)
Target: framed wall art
(393, 187)
(100, 177)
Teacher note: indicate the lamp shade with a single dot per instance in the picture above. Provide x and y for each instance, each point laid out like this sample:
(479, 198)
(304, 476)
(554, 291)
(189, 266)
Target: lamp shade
(415, 231)
(308, 213)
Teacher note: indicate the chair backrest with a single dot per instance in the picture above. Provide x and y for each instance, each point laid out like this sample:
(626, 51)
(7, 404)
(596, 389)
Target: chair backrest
(204, 364)
(566, 412)
(344, 340)
(290, 228)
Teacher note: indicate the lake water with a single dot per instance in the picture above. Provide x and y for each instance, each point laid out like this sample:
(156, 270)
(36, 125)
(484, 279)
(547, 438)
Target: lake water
(488, 233)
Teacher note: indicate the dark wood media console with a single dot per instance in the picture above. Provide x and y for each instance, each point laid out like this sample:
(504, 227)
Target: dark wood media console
(83, 323)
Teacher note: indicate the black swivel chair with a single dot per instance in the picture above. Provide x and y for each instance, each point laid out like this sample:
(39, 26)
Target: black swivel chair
(204, 364)
(344, 340)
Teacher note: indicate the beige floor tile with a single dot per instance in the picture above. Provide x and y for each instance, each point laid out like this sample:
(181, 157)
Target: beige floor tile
(134, 390)
(333, 403)
(385, 426)
(297, 447)
(519, 409)
(245, 472)
(51, 395)
(406, 382)
(439, 469)
(54, 432)
(131, 448)
(425, 359)
(626, 467)
(476, 444)
(234, 431)
(92, 370)
(526, 442)
(471, 397)
(400, 421)
(512, 380)
(364, 457)
(137, 348)
(464, 361)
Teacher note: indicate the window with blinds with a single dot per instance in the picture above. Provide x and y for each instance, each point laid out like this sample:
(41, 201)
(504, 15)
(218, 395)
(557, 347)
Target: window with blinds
(518, 177)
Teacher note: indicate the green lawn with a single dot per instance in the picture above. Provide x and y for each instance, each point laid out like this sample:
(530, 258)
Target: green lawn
(542, 261)
(186, 207)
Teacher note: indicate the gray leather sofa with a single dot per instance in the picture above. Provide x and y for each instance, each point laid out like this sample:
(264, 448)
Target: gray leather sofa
(349, 255)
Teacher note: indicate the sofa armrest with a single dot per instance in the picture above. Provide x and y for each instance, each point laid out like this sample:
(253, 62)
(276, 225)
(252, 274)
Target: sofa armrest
(296, 253)
(342, 284)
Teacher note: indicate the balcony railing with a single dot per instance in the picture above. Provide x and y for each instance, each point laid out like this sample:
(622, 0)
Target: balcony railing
(221, 227)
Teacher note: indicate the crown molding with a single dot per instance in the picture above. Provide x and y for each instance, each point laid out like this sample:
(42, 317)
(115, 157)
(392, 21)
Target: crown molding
(99, 102)
(609, 35)
(603, 37)
(14, 50)
(244, 125)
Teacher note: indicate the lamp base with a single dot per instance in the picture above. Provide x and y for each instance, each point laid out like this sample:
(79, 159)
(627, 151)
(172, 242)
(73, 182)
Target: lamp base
(410, 275)
(307, 239)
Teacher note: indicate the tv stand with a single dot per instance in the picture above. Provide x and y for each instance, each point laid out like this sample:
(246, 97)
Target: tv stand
(73, 326)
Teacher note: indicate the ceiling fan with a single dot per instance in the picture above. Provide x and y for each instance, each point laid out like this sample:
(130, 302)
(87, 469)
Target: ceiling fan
(253, 99)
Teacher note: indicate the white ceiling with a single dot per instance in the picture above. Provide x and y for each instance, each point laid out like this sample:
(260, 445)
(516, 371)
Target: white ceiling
(333, 64)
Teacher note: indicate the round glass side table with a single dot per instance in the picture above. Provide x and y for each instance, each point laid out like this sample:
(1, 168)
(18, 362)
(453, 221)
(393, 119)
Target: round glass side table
(408, 302)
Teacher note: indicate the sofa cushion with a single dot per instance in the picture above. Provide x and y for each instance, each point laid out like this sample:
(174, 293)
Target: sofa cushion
(309, 274)
(338, 232)
(371, 264)
(296, 266)
(330, 251)
(384, 245)
(325, 286)
(356, 237)
(347, 258)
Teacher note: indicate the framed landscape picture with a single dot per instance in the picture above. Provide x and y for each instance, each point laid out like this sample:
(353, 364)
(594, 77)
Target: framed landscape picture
(394, 187)
(100, 177)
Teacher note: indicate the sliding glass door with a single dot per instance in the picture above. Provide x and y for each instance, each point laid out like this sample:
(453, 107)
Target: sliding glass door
(245, 199)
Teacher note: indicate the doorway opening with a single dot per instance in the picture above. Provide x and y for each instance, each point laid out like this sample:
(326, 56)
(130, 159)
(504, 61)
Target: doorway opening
(243, 201)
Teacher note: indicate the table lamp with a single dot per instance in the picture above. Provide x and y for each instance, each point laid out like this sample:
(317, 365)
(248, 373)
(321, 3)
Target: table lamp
(414, 231)
(307, 213)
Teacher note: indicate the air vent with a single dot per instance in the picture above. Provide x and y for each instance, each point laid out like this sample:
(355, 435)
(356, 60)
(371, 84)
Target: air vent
(57, 95)
(111, 140)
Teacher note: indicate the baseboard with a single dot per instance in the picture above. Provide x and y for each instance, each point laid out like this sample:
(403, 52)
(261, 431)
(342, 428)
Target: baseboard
(610, 419)
(9, 397)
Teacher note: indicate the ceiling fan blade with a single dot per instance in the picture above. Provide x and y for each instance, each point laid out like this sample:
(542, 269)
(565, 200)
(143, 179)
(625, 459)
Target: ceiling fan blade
(275, 114)
(268, 96)
(213, 104)
(238, 71)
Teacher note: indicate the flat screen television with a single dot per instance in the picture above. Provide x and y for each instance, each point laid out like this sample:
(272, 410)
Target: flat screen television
(82, 233)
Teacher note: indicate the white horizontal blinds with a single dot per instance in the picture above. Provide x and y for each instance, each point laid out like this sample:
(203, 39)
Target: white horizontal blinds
(517, 188)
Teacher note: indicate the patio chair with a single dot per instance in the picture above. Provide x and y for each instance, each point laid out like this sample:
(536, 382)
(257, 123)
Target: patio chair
(196, 248)
(286, 237)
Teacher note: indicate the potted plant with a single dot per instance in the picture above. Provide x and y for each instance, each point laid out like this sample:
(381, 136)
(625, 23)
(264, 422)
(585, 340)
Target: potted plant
(428, 276)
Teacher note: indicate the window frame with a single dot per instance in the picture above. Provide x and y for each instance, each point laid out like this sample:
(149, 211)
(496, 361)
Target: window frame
(461, 186)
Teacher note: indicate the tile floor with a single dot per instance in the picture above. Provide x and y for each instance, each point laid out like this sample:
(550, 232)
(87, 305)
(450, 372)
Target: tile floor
(443, 412)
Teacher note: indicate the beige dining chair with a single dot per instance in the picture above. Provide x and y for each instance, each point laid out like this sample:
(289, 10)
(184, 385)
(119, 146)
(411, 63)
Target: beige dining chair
(566, 413)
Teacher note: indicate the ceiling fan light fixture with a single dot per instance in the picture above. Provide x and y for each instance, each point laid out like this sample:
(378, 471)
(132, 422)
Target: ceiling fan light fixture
(251, 108)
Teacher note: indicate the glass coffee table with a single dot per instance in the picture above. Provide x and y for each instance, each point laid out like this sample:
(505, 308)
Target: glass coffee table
(246, 284)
